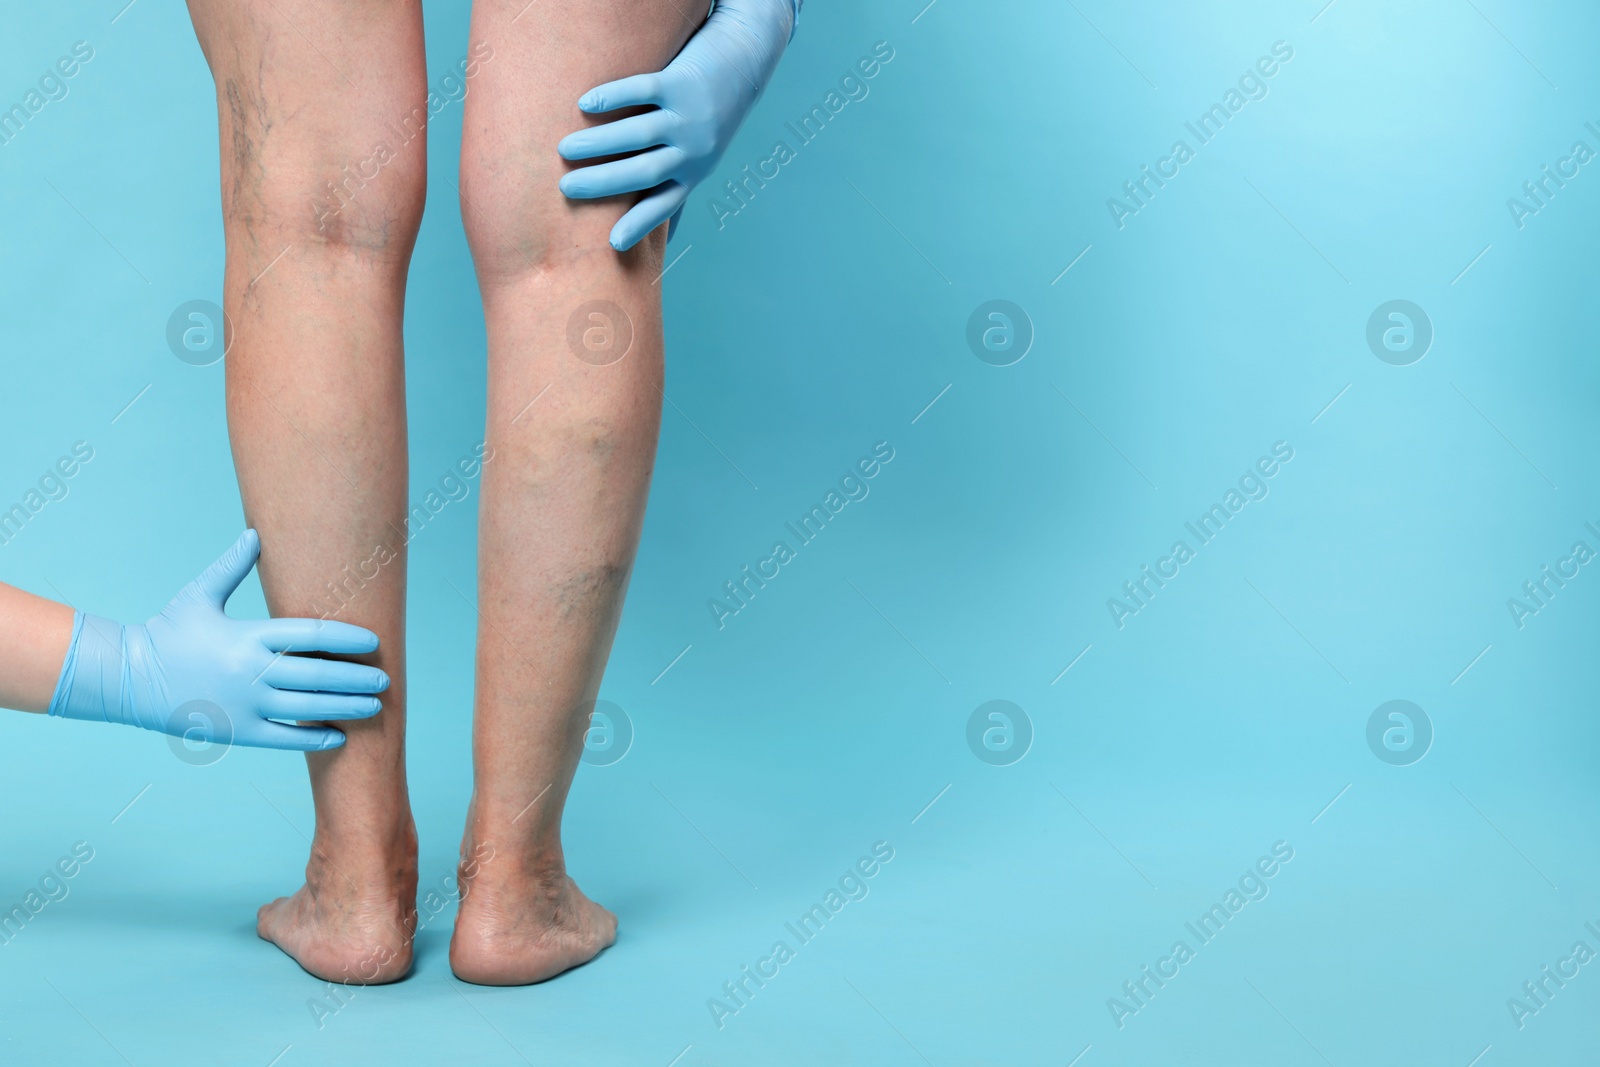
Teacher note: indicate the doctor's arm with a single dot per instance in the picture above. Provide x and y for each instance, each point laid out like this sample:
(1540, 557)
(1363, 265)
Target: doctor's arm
(244, 674)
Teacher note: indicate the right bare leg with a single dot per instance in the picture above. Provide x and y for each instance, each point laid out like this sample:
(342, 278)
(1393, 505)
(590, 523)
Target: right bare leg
(563, 499)
(320, 229)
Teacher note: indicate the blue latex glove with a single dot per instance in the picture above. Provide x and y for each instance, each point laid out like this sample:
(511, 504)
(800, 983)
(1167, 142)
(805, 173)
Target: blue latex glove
(701, 100)
(149, 676)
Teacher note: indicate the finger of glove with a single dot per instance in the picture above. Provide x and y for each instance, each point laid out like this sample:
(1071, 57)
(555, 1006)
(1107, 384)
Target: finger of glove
(224, 576)
(316, 707)
(290, 738)
(312, 675)
(660, 206)
(635, 91)
(317, 635)
(632, 175)
(677, 217)
(632, 134)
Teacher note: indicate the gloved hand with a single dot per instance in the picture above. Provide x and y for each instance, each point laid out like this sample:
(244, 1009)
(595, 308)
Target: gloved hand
(147, 676)
(702, 99)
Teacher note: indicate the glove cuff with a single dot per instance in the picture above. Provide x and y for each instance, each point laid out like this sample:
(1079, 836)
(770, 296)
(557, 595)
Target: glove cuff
(59, 699)
(793, 6)
(96, 680)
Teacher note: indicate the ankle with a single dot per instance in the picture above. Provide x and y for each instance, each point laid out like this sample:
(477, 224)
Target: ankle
(496, 844)
(364, 842)
(500, 875)
(383, 871)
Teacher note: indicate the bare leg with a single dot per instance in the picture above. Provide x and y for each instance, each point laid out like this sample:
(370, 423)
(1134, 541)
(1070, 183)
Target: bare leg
(564, 494)
(315, 288)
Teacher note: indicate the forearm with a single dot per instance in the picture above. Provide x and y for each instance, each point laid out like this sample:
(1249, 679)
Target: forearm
(34, 636)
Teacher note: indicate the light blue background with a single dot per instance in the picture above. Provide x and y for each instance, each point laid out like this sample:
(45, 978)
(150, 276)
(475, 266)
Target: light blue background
(1223, 718)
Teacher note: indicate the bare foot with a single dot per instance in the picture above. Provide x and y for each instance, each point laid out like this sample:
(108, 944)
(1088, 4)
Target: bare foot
(350, 923)
(522, 923)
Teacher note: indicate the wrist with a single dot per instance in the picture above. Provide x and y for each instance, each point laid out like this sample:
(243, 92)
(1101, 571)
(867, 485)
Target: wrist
(93, 684)
(784, 14)
(59, 698)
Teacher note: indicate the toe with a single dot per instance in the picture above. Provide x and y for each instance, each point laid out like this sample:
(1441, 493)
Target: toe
(267, 919)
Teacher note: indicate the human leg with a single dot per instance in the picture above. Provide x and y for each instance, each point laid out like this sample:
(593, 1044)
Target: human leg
(564, 495)
(320, 229)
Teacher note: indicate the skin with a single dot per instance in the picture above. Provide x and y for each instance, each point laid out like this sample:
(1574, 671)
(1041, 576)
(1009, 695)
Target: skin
(38, 632)
(316, 407)
(563, 501)
(316, 410)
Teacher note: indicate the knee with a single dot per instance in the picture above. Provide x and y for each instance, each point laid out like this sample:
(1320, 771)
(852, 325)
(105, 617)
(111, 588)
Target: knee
(367, 202)
(523, 227)
(371, 204)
